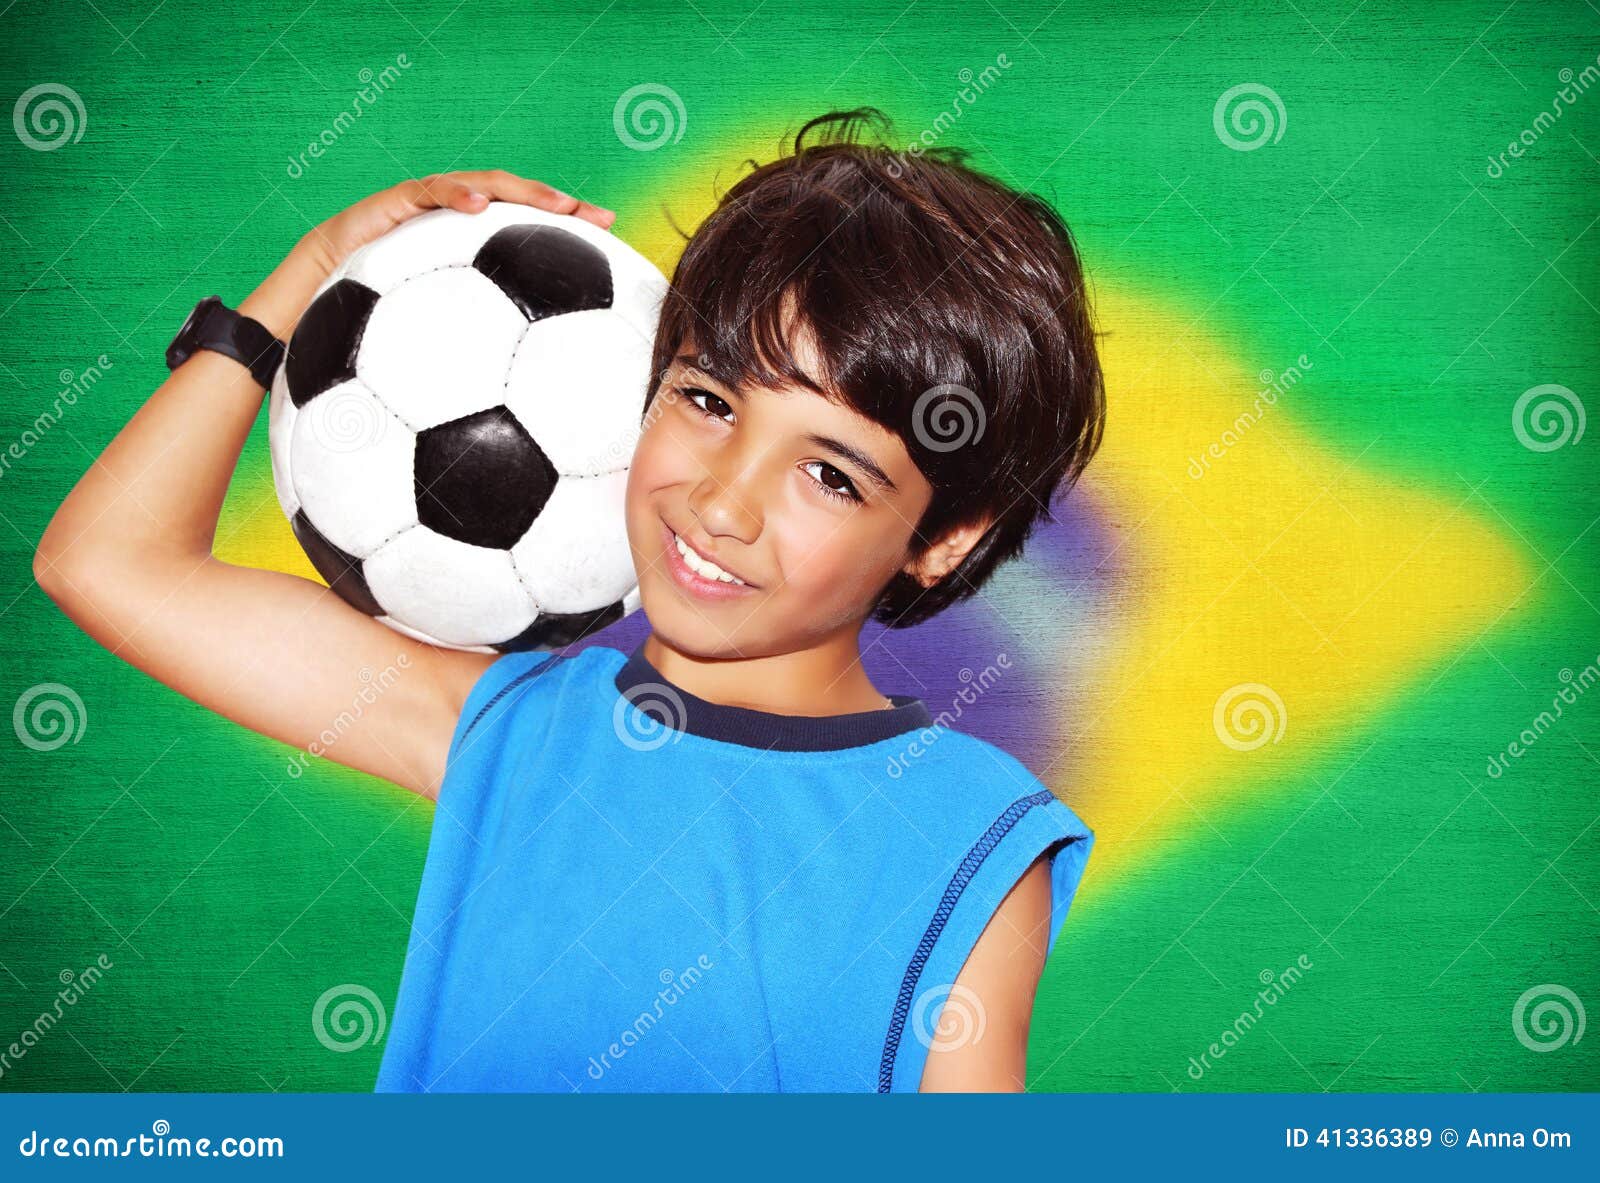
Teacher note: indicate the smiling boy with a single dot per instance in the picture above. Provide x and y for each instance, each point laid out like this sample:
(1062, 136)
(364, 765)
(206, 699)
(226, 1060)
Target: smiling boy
(688, 867)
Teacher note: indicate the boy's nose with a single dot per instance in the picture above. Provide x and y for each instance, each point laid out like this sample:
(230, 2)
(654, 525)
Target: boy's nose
(727, 504)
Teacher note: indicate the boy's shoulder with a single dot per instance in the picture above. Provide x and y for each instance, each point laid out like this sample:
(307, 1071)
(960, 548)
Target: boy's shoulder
(990, 819)
(523, 682)
(954, 752)
(524, 663)
(953, 765)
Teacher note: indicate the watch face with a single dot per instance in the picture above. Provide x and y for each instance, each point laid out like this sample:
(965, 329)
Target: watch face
(195, 314)
(182, 344)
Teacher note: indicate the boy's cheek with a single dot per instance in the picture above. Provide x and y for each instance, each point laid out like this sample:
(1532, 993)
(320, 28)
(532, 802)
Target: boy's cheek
(650, 468)
(823, 566)
(662, 457)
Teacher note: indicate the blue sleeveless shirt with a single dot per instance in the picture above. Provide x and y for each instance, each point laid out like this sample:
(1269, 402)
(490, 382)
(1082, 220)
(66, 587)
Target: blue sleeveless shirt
(629, 888)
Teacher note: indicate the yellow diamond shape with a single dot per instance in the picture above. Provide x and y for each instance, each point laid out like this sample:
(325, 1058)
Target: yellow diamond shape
(1256, 556)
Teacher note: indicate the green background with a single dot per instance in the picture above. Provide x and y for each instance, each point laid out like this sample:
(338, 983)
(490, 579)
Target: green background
(229, 897)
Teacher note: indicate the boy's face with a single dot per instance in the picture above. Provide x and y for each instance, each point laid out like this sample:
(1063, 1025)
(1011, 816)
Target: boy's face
(739, 477)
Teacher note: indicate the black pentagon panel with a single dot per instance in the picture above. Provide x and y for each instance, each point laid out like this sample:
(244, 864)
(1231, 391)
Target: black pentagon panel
(546, 270)
(555, 629)
(481, 479)
(323, 347)
(341, 569)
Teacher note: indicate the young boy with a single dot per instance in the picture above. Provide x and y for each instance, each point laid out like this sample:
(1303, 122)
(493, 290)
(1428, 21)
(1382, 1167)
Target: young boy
(725, 860)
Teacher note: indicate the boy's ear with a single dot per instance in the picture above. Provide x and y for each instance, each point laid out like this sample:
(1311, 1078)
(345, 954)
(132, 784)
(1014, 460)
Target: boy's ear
(946, 553)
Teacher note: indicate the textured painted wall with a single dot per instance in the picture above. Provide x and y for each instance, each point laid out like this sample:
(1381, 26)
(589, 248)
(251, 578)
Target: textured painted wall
(1332, 558)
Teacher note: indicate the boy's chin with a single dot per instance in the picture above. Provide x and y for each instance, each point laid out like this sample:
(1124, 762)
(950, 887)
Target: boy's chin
(691, 631)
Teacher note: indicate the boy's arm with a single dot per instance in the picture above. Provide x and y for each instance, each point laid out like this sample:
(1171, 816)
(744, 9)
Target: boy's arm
(998, 983)
(128, 556)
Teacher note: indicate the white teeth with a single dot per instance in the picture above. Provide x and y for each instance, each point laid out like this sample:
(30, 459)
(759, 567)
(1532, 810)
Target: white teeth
(704, 567)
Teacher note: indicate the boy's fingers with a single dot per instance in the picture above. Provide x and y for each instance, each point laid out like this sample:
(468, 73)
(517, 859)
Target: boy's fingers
(451, 192)
(505, 186)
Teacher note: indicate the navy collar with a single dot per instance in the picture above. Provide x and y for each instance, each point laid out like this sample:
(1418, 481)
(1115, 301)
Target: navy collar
(642, 684)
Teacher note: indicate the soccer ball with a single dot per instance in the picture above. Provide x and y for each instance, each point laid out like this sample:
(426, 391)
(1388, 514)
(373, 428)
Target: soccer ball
(452, 426)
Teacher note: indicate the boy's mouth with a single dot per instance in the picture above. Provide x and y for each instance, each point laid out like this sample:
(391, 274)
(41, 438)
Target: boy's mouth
(697, 574)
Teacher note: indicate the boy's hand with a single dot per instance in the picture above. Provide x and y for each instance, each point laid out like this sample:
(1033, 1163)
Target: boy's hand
(470, 192)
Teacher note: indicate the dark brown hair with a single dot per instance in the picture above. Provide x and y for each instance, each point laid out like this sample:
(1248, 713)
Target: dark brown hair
(944, 306)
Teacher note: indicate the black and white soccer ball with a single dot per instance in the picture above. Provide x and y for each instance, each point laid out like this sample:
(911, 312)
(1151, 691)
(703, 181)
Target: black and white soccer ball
(452, 426)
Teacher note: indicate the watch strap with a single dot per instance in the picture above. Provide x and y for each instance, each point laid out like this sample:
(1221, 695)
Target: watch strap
(222, 329)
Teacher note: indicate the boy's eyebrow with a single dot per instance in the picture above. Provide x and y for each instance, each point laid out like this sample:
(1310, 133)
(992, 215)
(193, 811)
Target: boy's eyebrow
(849, 451)
(693, 361)
(857, 457)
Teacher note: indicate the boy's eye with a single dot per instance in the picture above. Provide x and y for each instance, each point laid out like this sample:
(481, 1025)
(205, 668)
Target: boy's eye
(829, 472)
(695, 393)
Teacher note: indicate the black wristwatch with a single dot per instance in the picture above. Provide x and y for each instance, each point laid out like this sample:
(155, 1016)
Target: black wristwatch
(213, 325)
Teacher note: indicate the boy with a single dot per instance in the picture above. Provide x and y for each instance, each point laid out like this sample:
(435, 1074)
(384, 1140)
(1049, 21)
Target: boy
(689, 867)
